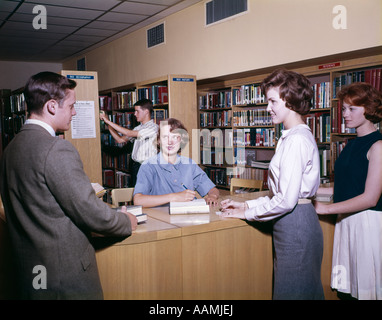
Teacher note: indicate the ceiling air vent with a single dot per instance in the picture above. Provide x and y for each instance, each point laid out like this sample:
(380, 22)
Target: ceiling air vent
(217, 10)
(155, 35)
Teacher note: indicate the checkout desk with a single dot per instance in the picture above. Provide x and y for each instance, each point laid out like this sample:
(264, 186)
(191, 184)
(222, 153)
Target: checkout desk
(198, 256)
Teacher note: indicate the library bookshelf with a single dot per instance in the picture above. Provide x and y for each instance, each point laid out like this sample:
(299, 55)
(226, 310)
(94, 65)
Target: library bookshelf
(172, 96)
(235, 105)
(84, 133)
(6, 123)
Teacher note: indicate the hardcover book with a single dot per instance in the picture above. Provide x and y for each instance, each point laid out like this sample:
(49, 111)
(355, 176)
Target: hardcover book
(194, 206)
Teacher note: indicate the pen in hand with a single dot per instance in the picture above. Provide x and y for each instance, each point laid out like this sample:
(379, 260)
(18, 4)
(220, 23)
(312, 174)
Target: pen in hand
(186, 189)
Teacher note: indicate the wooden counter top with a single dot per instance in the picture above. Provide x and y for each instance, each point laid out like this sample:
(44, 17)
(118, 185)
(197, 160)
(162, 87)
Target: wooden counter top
(201, 222)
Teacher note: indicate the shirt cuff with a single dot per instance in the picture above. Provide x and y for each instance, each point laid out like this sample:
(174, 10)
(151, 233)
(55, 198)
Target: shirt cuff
(251, 212)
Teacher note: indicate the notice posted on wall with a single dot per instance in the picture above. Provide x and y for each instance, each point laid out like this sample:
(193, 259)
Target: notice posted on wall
(83, 123)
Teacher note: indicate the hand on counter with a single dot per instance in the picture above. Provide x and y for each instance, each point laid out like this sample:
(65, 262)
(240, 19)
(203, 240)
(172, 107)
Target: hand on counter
(233, 209)
(133, 218)
(212, 200)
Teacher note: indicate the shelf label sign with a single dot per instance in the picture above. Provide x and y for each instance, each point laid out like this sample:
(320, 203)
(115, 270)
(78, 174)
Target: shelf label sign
(183, 79)
(83, 123)
(79, 77)
(329, 65)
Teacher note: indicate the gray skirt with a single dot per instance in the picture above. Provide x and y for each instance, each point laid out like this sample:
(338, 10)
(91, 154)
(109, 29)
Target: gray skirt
(298, 249)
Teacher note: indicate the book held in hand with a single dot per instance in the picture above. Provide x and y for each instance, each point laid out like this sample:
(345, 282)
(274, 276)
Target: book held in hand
(194, 206)
(324, 195)
(137, 211)
(98, 189)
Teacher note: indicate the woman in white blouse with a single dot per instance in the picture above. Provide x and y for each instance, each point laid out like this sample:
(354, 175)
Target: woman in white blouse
(294, 177)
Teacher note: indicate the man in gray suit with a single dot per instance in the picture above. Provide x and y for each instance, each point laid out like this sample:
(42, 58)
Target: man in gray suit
(50, 205)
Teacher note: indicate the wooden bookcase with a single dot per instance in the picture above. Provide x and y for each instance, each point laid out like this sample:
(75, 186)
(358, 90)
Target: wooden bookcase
(219, 108)
(12, 113)
(118, 104)
(4, 118)
(172, 95)
(84, 133)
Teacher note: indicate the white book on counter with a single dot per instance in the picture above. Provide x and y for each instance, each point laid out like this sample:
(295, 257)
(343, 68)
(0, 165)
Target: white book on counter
(194, 206)
(137, 211)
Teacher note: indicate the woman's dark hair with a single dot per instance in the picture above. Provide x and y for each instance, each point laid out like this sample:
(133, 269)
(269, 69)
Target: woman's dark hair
(176, 126)
(362, 94)
(45, 86)
(294, 88)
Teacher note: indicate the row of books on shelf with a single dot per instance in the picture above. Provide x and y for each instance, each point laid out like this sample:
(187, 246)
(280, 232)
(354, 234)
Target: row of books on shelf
(116, 179)
(244, 137)
(250, 174)
(108, 140)
(119, 100)
(215, 100)
(223, 176)
(253, 117)
(124, 99)
(159, 115)
(324, 162)
(217, 175)
(216, 138)
(248, 94)
(216, 119)
(105, 103)
(321, 95)
(319, 123)
(372, 76)
(247, 157)
(238, 156)
(17, 103)
(255, 137)
(158, 94)
(124, 119)
(121, 161)
(12, 124)
(212, 157)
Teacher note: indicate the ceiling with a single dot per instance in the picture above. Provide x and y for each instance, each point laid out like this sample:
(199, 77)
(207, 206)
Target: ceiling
(73, 26)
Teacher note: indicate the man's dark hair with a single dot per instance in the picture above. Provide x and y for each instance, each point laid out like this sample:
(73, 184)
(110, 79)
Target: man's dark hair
(145, 104)
(45, 86)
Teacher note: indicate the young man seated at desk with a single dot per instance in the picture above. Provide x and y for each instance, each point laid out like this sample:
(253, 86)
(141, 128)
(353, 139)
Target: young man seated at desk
(169, 177)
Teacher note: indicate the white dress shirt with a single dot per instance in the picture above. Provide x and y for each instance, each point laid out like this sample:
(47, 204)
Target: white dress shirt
(42, 124)
(294, 173)
(145, 145)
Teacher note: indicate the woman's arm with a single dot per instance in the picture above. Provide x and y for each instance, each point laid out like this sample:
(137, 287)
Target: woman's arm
(158, 200)
(373, 188)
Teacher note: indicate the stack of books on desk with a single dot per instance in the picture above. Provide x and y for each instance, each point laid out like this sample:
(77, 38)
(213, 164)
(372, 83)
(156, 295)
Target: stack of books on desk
(137, 211)
(194, 206)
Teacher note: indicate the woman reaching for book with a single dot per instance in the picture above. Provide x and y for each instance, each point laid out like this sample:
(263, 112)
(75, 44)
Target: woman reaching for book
(170, 177)
(357, 258)
(294, 177)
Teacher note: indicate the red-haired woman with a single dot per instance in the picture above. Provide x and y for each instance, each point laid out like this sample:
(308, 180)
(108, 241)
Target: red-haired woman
(357, 257)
